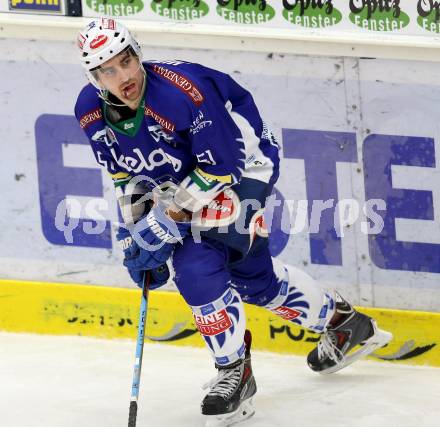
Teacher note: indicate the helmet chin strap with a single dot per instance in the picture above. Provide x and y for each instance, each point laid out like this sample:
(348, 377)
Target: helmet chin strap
(103, 93)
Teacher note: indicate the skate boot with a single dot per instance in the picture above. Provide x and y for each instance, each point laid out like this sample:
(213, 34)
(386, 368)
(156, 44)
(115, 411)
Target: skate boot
(353, 329)
(229, 400)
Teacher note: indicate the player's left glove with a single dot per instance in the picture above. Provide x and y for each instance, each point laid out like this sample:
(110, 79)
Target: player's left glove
(130, 248)
(154, 235)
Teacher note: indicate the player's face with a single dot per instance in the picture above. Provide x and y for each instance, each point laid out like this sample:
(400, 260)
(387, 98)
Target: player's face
(123, 76)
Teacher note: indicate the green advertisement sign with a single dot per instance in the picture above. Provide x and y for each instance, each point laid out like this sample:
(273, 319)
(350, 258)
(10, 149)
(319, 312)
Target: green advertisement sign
(429, 15)
(377, 15)
(317, 14)
(180, 10)
(116, 7)
(252, 12)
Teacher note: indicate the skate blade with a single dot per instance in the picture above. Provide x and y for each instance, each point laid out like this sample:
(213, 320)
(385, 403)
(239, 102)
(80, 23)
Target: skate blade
(378, 340)
(244, 412)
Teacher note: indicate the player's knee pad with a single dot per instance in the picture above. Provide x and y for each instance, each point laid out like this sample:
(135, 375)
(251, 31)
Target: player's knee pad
(222, 324)
(301, 299)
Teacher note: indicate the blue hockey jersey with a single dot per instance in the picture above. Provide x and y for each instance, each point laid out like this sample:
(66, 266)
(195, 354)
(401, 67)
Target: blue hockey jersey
(194, 123)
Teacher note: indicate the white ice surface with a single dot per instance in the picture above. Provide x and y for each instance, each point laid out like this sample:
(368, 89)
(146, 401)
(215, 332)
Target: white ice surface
(83, 382)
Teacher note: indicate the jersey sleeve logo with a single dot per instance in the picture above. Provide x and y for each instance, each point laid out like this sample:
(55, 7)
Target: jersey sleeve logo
(91, 117)
(199, 123)
(181, 82)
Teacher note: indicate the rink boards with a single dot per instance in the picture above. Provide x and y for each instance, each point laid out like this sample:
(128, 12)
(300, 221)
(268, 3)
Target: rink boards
(99, 311)
(353, 131)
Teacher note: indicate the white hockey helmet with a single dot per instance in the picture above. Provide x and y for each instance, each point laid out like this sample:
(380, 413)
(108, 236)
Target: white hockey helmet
(101, 40)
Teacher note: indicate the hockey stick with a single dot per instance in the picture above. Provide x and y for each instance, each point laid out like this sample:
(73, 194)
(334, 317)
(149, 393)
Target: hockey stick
(132, 414)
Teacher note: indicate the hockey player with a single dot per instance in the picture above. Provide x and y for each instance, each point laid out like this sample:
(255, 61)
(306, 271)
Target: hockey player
(192, 139)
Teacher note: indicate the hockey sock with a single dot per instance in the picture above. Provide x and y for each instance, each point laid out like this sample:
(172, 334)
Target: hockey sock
(300, 299)
(222, 324)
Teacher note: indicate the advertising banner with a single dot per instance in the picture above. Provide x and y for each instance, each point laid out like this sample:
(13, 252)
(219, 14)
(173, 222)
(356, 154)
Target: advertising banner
(61, 309)
(390, 17)
(357, 205)
(37, 6)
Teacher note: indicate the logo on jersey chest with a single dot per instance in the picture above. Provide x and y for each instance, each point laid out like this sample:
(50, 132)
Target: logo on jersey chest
(138, 163)
(157, 133)
(105, 136)
(164, 122)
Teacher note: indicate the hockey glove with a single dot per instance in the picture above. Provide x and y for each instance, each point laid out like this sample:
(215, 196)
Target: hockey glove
(129, 246)
(154, 237)
(158, 276)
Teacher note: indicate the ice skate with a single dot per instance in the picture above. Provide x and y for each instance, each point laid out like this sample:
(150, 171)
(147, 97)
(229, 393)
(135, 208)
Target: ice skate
(229, 400)
(354, 329)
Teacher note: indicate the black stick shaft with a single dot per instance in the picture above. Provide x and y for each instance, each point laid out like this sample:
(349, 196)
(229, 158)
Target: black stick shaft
(132, 414)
